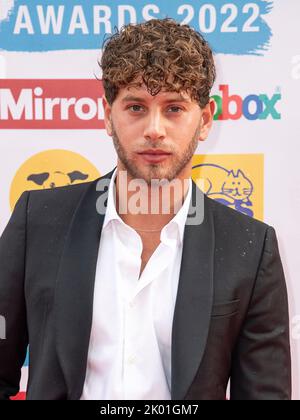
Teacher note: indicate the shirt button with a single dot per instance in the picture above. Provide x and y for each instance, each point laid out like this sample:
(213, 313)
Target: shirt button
(131, 304)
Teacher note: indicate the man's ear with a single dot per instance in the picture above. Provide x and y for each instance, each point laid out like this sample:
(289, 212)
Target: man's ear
(107, 116)
(207, 119)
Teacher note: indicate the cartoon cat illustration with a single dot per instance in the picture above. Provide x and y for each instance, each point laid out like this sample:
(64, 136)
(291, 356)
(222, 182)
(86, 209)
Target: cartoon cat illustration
(227, 187)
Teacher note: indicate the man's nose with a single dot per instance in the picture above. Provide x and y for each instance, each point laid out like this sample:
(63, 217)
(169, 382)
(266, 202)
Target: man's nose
(155, 126)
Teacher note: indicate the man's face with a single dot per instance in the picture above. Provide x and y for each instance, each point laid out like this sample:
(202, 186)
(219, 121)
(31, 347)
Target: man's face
(156, 136)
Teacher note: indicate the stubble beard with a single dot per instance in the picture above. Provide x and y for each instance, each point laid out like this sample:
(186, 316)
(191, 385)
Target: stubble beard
(156, 171)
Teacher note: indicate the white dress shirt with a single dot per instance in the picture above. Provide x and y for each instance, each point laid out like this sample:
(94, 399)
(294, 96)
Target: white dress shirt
(129, 355)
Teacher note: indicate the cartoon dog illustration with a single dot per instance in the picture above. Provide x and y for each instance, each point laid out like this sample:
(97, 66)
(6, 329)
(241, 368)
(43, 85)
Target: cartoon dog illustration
(56, 179)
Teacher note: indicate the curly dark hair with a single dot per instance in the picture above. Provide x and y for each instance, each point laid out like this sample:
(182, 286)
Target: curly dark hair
(162, 54)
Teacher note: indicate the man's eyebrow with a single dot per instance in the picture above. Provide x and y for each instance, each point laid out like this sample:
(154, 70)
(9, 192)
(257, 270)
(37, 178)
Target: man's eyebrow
(130, 98)
(178, 98)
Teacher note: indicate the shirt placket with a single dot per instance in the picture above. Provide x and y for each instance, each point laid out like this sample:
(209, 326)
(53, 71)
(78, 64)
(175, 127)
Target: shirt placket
(128, 280)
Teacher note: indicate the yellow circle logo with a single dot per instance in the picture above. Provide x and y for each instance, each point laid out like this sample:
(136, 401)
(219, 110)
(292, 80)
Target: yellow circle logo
(51, 169)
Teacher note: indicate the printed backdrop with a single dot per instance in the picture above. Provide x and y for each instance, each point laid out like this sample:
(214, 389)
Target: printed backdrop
(51, 115)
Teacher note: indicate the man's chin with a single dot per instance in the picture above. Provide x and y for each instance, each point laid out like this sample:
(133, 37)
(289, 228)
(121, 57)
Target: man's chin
(153, 173)
(156, 177)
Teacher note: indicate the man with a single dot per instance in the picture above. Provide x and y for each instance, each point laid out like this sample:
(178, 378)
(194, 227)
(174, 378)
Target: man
(118, 301)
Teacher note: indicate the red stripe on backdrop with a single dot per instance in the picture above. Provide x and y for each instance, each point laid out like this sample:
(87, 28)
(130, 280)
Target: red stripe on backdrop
(19, 397)
(51, 104)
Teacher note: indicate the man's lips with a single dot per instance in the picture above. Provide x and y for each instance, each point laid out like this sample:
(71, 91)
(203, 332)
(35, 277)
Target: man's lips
(154, 156)
(154, 152)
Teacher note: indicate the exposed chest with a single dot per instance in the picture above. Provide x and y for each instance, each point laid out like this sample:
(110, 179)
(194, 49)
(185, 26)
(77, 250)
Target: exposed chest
(150, 243)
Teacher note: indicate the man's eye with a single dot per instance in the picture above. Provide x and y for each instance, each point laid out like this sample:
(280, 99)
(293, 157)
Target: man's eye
(135, 108)
(174, 109)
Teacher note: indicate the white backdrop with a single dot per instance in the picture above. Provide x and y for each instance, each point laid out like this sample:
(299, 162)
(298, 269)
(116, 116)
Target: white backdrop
(257, 53)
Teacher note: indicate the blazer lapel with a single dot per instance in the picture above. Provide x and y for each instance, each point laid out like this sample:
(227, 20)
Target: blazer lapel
(75, 289)
(194, 301)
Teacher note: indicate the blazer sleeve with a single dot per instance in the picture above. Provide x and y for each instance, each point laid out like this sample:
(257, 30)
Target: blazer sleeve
(261, 364)
(14, 336)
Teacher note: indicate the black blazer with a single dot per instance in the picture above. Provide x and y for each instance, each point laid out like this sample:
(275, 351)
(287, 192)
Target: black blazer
(231, 313)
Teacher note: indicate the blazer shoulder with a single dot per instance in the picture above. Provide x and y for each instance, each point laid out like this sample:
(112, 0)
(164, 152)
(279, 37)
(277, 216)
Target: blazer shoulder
(243, 238)
(58, 204)
(227, 217)
(59, 195)
(51, 206)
